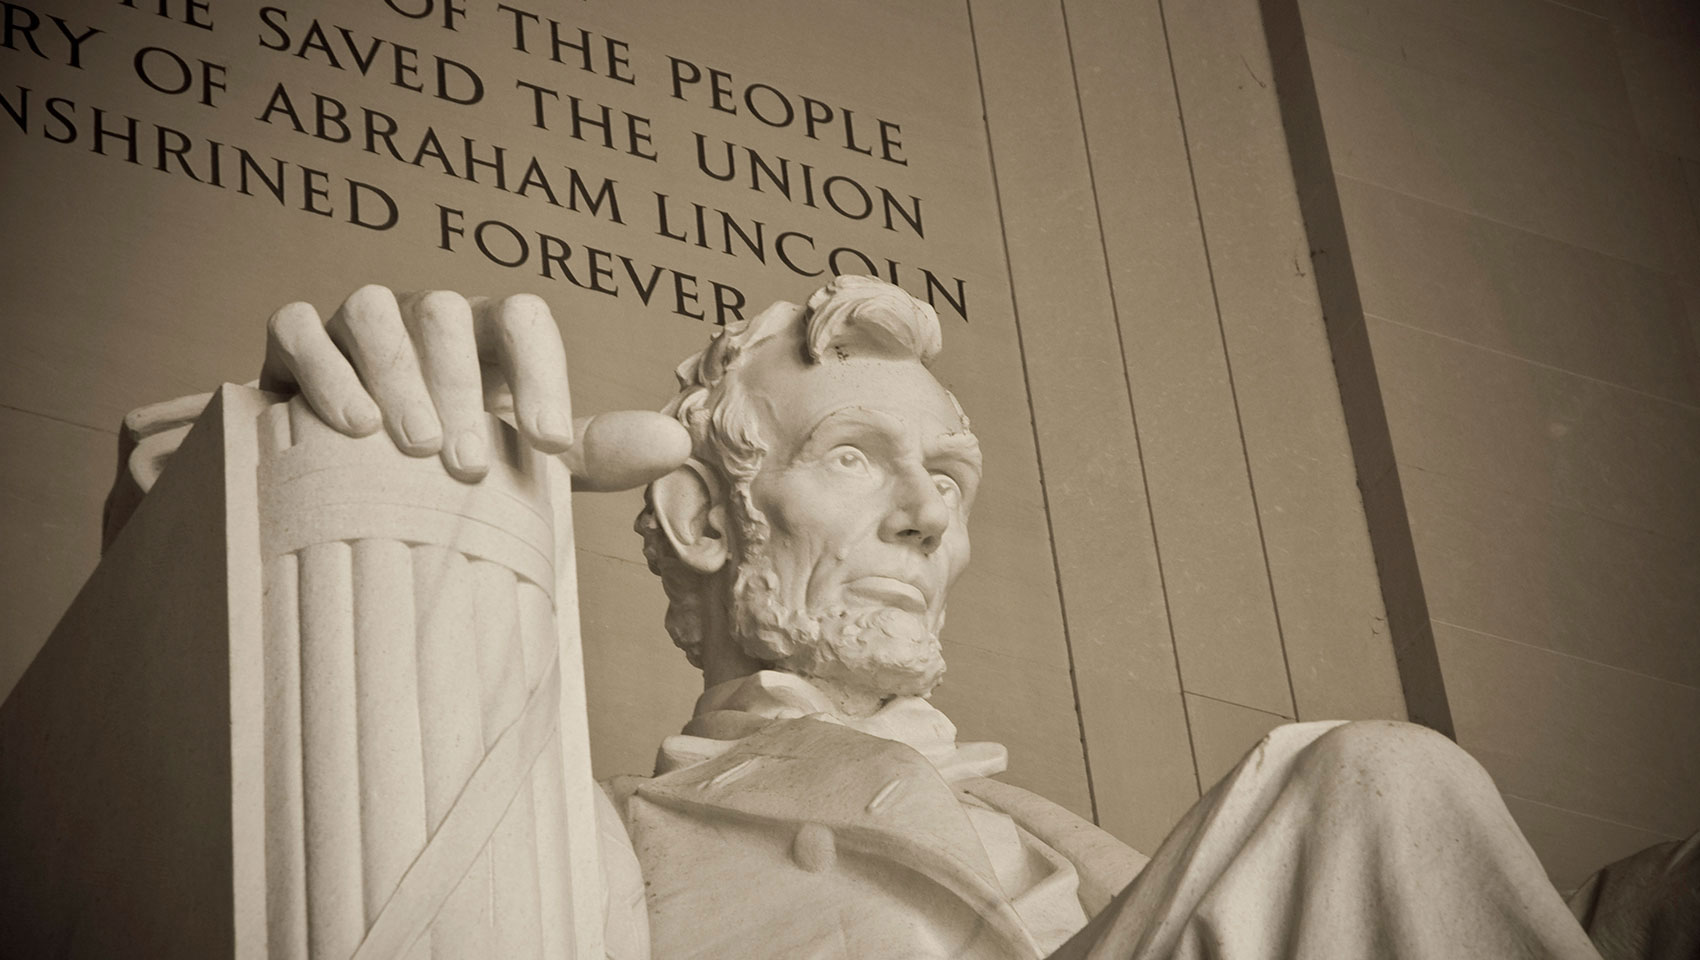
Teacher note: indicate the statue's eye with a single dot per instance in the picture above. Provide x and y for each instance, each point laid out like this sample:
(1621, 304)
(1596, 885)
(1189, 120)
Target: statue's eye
(849, 459)
(947, 487)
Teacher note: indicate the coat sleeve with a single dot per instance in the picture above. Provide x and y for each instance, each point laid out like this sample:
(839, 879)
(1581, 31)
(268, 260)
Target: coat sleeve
(625, 910)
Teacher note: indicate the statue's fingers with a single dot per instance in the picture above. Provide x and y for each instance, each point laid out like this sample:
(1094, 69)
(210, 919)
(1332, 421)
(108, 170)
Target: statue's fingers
(441, 324)
(299, 353)
(369, 328)
(625, 449)
(520, 335)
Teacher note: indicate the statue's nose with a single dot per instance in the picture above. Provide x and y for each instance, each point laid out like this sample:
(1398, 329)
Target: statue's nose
(919, 514)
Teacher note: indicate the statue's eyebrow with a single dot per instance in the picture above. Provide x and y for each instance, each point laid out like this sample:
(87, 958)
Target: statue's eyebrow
(881, 428)
(847, 418)
(962, 447)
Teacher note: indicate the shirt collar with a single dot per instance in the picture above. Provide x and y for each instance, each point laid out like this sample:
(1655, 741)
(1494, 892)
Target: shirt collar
(727, 712)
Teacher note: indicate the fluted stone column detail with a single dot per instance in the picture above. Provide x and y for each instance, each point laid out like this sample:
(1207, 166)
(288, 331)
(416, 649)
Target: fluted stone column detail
(416, 795)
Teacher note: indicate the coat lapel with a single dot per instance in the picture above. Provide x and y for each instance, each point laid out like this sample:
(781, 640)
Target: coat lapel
(876, 796)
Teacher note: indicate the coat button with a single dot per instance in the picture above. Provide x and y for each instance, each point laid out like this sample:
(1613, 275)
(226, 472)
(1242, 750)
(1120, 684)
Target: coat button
(814, 849)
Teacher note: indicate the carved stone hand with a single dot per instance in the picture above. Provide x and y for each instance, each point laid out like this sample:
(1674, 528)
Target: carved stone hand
(425, 367)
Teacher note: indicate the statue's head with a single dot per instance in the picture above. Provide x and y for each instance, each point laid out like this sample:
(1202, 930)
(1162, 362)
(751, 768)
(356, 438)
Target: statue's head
(823, 515)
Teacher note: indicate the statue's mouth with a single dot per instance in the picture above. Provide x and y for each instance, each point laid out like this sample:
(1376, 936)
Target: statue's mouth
(890, 592)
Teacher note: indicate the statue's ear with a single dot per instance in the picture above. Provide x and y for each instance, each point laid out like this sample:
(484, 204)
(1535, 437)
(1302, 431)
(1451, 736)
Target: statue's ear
(691, 507)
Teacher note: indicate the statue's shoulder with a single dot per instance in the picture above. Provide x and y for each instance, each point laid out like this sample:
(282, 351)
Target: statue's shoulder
(818, 759)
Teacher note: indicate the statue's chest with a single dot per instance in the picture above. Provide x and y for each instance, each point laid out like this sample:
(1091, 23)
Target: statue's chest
(812, 840)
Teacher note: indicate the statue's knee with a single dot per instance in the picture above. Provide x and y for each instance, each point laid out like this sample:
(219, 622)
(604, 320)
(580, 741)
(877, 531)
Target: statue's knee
(1383, 754)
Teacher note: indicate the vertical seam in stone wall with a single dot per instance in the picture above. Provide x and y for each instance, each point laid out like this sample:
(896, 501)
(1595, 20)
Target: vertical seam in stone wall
(1027, 387)
(1228, 363)
(1127, 381)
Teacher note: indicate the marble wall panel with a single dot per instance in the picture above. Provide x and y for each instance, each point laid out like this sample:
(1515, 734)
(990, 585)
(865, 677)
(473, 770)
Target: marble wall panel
(1494, 286)
(1202, 512)
(1531, 431)
(1687, 242)
(1522, 258)
(1681, 226)
(1456, 145)
(53, 481)
(639, 686)
(1107, 571)
(1537, 52)
(1024, 716)
(1223, 732)
(1317, 546)
(1573, 845)
(1576, 734)
(1360, 391)
(1405, 591)
(1612, 10)
(1676, 19)
(1012, 626)
(138, 333)
(1663, 74)
(1557, 578)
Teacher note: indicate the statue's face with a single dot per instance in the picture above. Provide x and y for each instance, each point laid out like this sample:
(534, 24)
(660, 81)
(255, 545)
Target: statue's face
(866, 488)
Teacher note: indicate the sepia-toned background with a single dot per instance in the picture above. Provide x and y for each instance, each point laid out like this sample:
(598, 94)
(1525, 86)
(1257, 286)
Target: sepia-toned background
(1332, 358)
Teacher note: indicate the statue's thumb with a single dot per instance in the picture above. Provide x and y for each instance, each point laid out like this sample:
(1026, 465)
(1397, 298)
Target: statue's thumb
(625, 449)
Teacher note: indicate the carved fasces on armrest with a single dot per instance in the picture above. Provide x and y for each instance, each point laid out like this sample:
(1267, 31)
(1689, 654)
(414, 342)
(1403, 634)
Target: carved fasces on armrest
(417, 786)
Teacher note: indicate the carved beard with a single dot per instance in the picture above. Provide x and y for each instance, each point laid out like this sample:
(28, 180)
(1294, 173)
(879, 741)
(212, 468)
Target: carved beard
(878, 650)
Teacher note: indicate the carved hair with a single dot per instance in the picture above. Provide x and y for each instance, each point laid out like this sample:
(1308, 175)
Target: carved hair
(850, 315)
